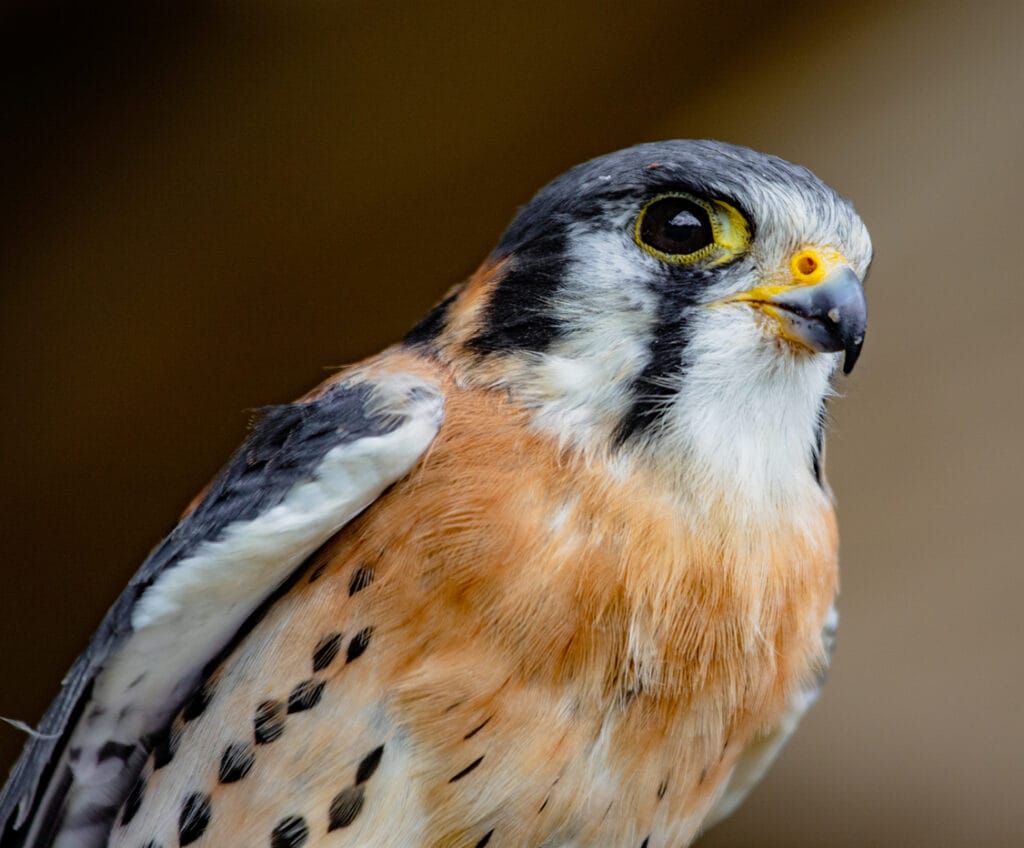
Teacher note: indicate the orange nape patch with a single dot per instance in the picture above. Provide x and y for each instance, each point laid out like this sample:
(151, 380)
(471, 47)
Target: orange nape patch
(464, 317)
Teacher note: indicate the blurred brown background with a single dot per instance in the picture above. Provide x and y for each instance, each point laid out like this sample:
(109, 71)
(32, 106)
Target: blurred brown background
(205, 203)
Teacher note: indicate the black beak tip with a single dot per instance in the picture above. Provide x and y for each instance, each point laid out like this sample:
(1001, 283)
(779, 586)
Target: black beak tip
(852, 351)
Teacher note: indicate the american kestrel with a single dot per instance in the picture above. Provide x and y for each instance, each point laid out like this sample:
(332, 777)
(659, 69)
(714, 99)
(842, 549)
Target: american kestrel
(556, 570)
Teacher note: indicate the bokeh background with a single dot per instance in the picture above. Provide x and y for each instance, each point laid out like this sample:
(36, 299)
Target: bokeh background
(204, 204)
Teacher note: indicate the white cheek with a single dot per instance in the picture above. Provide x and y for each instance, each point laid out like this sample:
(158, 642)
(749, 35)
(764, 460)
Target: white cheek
(581, 387)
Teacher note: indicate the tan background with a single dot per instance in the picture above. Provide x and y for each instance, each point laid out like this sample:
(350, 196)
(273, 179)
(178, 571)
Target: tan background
(206, 204)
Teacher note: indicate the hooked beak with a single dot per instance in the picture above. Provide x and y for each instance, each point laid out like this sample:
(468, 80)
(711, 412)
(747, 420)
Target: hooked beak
(823, 311)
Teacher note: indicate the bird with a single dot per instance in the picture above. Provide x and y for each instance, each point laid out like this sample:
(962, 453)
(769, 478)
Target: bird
(558, 568)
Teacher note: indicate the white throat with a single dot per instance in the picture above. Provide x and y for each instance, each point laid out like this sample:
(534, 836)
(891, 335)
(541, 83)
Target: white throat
(746, 414)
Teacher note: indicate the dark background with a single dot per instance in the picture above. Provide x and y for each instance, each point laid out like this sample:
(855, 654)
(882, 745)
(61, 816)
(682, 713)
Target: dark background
(203, 204)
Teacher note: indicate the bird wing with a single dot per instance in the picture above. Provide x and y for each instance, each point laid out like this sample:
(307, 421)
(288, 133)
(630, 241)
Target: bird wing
(758, 756)
(304, 471)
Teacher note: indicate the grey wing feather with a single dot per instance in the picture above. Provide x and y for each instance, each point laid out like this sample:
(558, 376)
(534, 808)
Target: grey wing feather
(391, 421)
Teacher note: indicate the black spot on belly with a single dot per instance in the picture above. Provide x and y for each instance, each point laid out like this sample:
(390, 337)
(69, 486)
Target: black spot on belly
(326, 650)
(478, 728)
(305, 695)
(466, 770)
(485, 839)
(236, 762)
(194, 818)
(134, 800)
(360, 579)
(165, 745)
(345, 807)
(268, 722)
(369, 764)
(200, 701)
(290, 832)
(358, 644)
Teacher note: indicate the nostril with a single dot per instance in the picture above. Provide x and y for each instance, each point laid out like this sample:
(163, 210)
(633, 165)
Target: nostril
(806, 265)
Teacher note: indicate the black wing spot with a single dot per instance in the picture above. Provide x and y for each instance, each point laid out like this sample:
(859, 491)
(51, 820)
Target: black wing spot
(305, 695)
(152, 844)
(345, 807)
(360, 579)
(200, 701)
(112, 749)
(165, 746)
(369, 764)
(326, 650)
(268, 722)
(290, 832)
(466, 770)
(236, 762)
(662, 789)
(194, 818)
(317, 572)
(646, 841)
(133, 801)
(485, 839)
(358, 644)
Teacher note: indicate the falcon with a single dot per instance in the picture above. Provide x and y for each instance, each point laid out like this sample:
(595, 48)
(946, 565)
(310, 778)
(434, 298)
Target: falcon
(558, 569)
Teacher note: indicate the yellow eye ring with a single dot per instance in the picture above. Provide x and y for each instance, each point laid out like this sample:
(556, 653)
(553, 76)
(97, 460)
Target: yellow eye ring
(682, 229)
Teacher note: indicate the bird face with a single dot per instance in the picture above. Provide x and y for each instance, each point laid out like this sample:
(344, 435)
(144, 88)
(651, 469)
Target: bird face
(684, 301)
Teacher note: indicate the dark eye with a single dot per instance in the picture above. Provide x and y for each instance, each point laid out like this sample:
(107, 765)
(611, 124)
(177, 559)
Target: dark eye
(676, 226)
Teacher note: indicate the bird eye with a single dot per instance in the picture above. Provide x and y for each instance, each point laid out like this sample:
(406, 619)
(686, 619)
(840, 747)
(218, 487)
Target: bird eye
(676, 226)
(682, 229)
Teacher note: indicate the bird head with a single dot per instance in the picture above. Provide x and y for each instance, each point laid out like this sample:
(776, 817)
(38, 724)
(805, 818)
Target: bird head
(685, 302)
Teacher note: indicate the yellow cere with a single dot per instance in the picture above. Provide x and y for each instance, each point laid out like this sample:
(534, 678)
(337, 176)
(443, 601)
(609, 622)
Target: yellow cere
(811, 265)
(807, 267)
(728, 226)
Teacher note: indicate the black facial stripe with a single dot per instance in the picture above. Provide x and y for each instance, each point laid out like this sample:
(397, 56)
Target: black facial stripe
(682, 292)
(519, 315)
(665, 363)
